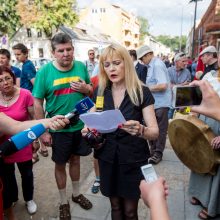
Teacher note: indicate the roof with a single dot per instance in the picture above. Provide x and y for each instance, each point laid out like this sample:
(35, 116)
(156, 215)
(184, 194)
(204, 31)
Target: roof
(86, 33)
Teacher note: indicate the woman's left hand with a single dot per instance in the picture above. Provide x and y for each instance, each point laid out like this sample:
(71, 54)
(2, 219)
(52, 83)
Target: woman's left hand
(216, 143)
(132, 127)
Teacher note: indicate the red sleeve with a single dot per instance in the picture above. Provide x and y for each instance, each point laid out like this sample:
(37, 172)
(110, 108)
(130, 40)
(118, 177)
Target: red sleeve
(200, 65)
(28, 97)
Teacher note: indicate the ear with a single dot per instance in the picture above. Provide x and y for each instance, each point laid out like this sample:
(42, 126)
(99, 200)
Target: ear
(53, 53)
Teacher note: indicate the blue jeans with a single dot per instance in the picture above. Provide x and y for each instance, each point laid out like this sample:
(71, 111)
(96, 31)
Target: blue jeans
(170, 113)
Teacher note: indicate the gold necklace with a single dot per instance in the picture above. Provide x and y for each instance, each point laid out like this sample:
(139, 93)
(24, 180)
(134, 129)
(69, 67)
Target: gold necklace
(8, 100)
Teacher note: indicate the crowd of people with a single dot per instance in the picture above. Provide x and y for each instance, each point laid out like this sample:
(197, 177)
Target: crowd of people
(140, 85)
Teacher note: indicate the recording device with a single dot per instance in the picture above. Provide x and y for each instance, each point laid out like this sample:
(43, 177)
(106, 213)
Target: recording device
(21, 140)
(81, 107)
(149, 173)
(184, 96)
(94, 139)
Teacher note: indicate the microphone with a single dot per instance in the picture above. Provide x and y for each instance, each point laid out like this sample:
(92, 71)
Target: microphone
(21, 140)
(81, 107)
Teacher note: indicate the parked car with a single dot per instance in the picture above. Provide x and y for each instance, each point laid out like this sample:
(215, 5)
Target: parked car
(39, 62)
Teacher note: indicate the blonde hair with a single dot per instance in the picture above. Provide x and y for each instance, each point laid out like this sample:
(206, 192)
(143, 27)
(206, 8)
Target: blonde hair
(132, 82)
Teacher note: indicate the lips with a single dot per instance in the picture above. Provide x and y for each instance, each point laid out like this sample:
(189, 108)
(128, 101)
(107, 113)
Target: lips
(113, 75)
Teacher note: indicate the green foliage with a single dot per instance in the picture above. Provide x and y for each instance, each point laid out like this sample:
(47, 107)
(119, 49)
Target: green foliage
(172, 42)
(9, 20)
(48, 14)
(144, 28)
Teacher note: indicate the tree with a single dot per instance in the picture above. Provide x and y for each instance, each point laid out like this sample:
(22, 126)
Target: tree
(9, 19)
(172, 42)
(144, 28)
(46, 15)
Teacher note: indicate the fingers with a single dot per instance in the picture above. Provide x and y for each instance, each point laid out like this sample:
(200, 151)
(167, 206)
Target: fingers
(46, 139)
(166, 190)
(84, 131)
(132, 127)
(216, 143)
(78, 86)
(57, 124)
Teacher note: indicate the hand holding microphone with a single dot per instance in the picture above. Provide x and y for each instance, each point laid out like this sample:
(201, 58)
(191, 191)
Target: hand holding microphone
(24, 138)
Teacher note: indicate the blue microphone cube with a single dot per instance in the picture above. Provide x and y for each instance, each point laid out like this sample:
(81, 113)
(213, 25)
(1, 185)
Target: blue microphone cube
(84, 105)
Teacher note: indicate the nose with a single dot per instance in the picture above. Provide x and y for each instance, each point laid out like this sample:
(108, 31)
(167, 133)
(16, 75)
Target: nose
(5, 81)
(65, 53)
(112, 67)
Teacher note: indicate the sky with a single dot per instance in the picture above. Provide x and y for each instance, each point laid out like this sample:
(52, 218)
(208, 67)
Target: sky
(166, 17)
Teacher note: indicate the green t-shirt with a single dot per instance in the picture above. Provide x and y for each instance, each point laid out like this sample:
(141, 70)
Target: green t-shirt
(54, 85)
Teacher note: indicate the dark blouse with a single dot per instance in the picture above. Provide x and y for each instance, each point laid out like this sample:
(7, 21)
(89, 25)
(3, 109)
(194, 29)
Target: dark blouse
(120, 144)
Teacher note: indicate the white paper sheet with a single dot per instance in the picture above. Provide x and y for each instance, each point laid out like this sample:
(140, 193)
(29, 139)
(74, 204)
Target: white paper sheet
(104, 122)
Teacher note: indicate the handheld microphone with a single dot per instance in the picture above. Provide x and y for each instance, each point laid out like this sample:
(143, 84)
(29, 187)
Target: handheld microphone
(81, 107)
(21, 140)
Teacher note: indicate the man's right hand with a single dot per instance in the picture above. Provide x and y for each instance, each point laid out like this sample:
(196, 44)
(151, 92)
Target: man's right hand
(46, 139)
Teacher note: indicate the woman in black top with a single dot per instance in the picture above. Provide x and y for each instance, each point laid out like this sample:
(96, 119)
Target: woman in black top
(126, 149)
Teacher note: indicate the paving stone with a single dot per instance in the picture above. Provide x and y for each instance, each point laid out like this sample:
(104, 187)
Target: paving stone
(176, 204)
(100, 209)
(170, 155)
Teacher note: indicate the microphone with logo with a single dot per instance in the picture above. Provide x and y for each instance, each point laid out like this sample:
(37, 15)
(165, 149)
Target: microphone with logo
(81, 107)
(24, 138)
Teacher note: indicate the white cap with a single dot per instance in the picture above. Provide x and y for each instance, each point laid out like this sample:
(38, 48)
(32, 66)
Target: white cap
(209, 49)
(143, 50)
(178, 56)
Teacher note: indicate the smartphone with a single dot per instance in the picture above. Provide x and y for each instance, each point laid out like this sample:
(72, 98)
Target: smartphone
(184, 96)
(149, 173)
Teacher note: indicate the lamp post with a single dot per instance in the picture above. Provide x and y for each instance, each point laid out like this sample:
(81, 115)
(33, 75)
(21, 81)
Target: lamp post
(194, 26)
(181, 30)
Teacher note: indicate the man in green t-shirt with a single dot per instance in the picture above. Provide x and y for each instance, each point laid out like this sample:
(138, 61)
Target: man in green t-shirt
(62, 83)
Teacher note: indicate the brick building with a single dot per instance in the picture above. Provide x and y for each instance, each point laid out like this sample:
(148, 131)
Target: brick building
(208, 30)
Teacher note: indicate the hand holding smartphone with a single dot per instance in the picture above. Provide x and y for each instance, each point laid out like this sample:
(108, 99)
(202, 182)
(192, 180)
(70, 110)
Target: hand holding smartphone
(184, 96)
(149, 173)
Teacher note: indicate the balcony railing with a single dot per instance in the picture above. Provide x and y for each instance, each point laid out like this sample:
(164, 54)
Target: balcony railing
(213, 27)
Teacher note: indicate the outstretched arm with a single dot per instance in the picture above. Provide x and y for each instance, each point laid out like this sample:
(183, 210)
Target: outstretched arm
(10, 126)
(154, 196)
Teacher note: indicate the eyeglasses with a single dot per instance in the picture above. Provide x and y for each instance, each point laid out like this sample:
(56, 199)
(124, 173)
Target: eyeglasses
(6, 79)
(91, 54)
(113, 63)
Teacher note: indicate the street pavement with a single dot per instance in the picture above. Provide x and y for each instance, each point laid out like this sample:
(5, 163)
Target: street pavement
(47, 196)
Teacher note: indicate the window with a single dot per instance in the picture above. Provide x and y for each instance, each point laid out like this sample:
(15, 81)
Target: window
(28, 32)
(39, 33)
(41, 52)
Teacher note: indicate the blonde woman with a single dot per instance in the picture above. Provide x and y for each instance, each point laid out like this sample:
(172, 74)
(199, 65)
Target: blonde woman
(126, 149)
